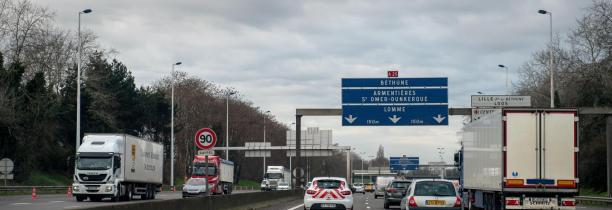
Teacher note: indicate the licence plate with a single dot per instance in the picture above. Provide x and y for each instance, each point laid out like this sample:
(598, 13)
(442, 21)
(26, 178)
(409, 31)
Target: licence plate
(435, 202)
(92, 188)
(539, 201)
(328, 205)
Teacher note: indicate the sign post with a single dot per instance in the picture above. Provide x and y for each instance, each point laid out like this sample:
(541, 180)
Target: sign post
(394, 101)
(206, 139)
(6, 167)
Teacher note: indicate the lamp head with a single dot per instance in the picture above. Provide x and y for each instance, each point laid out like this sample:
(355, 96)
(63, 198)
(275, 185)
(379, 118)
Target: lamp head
(86, 11)
(542, 12)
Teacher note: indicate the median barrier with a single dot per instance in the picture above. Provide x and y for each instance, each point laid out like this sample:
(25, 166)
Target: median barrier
(226, 202)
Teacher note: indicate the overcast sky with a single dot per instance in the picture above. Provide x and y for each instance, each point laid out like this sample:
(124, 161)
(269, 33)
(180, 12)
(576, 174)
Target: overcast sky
(284, 55)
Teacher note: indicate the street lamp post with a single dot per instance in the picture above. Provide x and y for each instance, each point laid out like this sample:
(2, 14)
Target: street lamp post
(362, 153)
(227, 125)
(552, 66)
(172, 126)
(505, 67)
(78, 99)
(264, 140)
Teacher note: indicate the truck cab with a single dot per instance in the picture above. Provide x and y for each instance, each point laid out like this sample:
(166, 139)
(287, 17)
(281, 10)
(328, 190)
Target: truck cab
(97, 168)
(274, 175)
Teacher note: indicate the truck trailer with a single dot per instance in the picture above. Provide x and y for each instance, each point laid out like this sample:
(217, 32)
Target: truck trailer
(521, 159)
(220, 173)
(117, 166)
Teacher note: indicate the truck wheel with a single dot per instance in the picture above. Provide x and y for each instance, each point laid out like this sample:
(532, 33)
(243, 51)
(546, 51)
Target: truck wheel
(80, 198)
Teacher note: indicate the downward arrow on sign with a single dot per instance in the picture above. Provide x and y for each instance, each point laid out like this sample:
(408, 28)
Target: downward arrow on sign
(350, 119)
(439, 119)
(394, 119)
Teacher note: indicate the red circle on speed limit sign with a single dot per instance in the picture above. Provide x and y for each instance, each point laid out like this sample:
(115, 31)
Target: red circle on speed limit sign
(205, 138)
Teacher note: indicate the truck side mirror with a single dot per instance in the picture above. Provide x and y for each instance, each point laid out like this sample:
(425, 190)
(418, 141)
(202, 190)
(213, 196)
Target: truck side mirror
(117, 162)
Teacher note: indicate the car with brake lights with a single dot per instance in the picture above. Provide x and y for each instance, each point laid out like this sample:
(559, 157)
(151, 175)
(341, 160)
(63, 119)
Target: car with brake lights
(395, 191)
(431, 194)
(328, 193)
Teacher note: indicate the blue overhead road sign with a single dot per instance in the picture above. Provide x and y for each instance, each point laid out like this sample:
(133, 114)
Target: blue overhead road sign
(403, 163)
(394, 101)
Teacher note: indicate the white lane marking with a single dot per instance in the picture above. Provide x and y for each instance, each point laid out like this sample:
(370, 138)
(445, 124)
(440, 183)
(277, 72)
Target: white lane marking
(71, 207)
(366, 203)
(296, 207)
(57, 201)
(15, 204)
(368, 207)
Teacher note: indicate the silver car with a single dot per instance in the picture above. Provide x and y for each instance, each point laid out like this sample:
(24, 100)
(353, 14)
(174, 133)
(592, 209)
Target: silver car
(195, 187)
(431, 194)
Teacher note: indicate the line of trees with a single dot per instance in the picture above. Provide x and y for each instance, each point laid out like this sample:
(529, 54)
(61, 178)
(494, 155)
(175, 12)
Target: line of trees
(583, 78)
(38, 102)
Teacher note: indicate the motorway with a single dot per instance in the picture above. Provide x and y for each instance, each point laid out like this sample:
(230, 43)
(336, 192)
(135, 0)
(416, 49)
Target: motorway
(367, 202)
(60, 201)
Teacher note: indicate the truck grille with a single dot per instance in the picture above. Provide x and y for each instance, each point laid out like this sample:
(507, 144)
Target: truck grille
(92, 178)
(273, 183)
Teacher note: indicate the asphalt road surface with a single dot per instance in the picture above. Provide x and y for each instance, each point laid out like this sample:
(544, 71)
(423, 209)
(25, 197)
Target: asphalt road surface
(367, 202)
(61, 201)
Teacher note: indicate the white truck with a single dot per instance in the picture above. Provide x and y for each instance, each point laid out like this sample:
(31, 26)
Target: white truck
(275, 175)
(521, 159)
(117, 166)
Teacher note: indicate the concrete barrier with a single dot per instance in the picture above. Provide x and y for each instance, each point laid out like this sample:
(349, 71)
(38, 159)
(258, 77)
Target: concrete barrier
(230, 202)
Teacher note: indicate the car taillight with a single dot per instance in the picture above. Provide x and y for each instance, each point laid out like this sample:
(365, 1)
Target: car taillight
(391, 190)
(310, 192)
(412, 202)
(512, 202)
(568, 202)
(347, 192)
(457, 202)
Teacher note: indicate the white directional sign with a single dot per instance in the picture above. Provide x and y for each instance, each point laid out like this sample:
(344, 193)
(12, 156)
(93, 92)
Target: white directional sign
(500, 101)
(478, 113)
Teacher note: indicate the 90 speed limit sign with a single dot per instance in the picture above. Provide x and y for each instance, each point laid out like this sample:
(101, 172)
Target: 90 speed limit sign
(205, 138)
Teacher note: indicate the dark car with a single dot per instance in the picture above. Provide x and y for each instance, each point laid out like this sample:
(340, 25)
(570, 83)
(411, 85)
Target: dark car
(395, 191)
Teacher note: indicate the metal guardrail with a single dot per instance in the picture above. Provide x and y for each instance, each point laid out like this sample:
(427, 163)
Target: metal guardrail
(594, 200)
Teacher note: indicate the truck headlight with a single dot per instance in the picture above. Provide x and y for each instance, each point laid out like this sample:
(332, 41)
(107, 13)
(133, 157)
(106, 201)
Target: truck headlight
(75, 188)
(109, 188)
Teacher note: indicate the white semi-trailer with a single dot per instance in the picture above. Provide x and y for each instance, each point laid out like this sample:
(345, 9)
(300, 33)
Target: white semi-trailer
(117, 166)
(521, 159)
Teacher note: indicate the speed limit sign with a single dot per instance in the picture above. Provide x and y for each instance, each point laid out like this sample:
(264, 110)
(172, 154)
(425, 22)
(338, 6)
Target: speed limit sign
(205, 138)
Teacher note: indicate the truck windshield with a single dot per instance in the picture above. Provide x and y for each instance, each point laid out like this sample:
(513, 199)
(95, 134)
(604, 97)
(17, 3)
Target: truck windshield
(94, 163)
(200, 170)
(274, 175)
